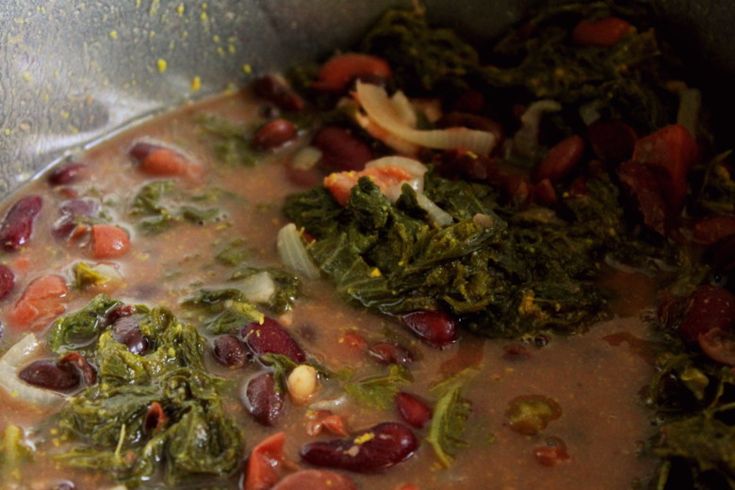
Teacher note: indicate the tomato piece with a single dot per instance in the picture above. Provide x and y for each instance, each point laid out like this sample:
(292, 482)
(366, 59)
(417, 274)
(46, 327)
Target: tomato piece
(671, 150)
(315, 480)
(109, 242)
(340, 184)
(340, 71)
(325, 420)
(713, 229)
(718, 345)
(643, 184)
(552, 453)
(354, 340)
(42, 300)
(708, 308)
(560, 159)
(604, 32)
(263, 463)
(161, 161)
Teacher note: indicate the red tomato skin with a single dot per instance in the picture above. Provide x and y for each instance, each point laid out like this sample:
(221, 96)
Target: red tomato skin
(603, 33)
(340, 71)
(261, 472)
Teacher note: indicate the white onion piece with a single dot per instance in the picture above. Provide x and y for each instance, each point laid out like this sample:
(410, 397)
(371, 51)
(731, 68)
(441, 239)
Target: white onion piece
(306, 158)
(14, 386)
(525, 141)
(381, 109)
(436, 214)
(413, 167)
(329, 404)
(259, 287)
(293, 253)
(690, 103)
(404, 109)
(400, 145)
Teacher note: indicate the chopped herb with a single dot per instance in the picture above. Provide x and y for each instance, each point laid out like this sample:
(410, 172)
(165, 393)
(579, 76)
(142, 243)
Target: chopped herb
(227, 310)
(230, 141)
(87, 275)
(449, 419)
(234, 252)
(13, 451)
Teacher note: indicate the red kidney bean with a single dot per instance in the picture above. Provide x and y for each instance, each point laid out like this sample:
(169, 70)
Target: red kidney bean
(708, 307)
(560, 159)
(271, 338)
(7, 281)
(612, 141)
(273, 134)
(435, 327)
(118, 312)
(375, 449)
(643, 185)
(604, 32)
(341, 150)
(276, 91)
(66, 174)
(18, 223)
(544, 193)
(69, 214)
(413, 410)
(64, 485)
(315, 480)
(126, 330)
(473, 121)
(49, 374)
(229, 351)
(79, 362)
(155, 418)
(387, 353)
(461, 163)
(263, 399)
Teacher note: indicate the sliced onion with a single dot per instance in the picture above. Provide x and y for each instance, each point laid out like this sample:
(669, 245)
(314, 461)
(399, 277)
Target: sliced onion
(306, 158)
(259, 287)
(18, 355)
(293, 253)
(525, 141)
(400, 145)
(381, 110)
(330, 404)
(411, 166)
(436, 214)
(404, 109)
(690, 103)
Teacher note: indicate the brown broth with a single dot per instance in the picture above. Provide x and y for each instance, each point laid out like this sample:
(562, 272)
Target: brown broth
(596, 381)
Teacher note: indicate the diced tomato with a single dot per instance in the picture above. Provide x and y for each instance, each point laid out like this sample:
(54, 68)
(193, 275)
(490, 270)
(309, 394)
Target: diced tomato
(560, 159)
(262, 467)
(673, 151)
(42, 300)
(604, 32)
(109, 242)
(340, 184)
(552, 453)
(162, 161)
(340, 71)
(718, 345)
(713, 229)
(354, 340)
(644, 186)
(325, 420)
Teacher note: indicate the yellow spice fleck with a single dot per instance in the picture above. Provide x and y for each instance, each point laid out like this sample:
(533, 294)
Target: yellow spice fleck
(247, 69)
(375, 272)
(180, 9)
(162, 65)
(113, 34)
(196, 84)
(368, 436)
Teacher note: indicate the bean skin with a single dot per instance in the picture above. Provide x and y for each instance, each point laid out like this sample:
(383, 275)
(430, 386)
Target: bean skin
(66, 174)
(387, 353)
(17, 226)
(413, 410)
(7, 281)
(378, 448)
(229, 351)
(50, 375)
(274, 90)
(434, 327)
(271, 338)
(273, 134)
(263, 400)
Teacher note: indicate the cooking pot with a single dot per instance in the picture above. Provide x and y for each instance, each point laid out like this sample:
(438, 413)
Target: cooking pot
(74, 72)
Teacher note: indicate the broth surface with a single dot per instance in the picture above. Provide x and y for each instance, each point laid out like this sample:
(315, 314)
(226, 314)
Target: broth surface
(595, 377)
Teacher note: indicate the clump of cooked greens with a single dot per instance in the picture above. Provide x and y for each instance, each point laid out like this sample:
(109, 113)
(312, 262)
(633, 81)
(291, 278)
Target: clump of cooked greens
(514, 273)
(377, 391)
(81, 328)
(158, 205)
(230, 141)
(152, 410)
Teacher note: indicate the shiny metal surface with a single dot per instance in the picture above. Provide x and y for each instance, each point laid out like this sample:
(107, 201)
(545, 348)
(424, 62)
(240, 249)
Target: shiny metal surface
(73, 71)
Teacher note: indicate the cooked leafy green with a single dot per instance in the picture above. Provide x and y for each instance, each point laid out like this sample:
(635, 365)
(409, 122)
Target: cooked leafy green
(377, 391)
(111, 423)
(520, 273)
(226, 310)
(81, 328)
(230, 141)
(234, 252)
(287, 286)
(159, 204)
(449, 418)
(13, 451)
